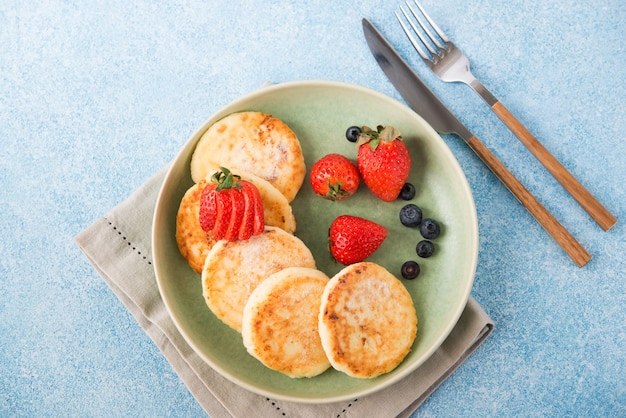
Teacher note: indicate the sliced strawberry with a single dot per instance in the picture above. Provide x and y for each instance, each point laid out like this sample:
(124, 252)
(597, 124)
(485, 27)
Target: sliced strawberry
(247, 220)
(224, 210)
(208, 206)
(236, 215)
(230, 208)
(258, 221)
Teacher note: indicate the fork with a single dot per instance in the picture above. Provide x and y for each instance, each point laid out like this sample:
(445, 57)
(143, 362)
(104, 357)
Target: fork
(451, 65)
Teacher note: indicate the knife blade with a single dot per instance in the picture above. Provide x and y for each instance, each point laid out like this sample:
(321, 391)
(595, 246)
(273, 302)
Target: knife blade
(424, 102)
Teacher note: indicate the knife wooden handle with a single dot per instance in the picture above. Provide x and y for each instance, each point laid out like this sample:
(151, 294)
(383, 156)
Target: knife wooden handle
(599, 213)
(568, 243)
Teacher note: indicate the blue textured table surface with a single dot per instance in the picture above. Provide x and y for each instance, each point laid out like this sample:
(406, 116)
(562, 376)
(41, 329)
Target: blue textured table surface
(97, 96)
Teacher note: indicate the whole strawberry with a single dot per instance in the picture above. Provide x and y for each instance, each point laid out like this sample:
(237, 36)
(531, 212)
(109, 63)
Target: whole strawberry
(353, 239)
(230, 208)
(334, 177)
(383, 161)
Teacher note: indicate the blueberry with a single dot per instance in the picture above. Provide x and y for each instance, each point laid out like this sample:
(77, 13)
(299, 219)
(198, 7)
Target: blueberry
(407, 192)
(410, 215)
(429, 228)
(352, 134)
(410, 270)
(425, 249)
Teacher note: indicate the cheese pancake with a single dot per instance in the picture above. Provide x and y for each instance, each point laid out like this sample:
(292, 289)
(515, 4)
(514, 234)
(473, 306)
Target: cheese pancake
(280, 322)
(232, 270)
(194, 243)
(367, 320)
(276, 208)
(254, 142)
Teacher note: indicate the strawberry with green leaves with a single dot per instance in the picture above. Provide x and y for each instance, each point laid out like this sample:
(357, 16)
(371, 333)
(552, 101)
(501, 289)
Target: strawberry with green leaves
(334, 177)
(352, 239)
(231, 208)
(383, 161)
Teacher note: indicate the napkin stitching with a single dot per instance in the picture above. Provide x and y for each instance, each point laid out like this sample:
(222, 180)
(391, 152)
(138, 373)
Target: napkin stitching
(130, 244)
(275, 404)
(345, 410)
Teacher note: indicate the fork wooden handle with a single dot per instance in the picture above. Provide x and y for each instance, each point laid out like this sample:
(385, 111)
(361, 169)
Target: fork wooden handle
(562, 236)
(599, 213)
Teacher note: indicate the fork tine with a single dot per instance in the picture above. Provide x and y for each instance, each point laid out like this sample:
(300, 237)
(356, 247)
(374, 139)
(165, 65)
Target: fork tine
(432, 44)
(432, 24)
(408, 33)
(416, 30)
(424, 28)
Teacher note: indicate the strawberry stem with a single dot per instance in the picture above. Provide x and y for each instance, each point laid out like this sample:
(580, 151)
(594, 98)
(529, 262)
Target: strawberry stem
(336, 191)
(373, 137)
(225, 179)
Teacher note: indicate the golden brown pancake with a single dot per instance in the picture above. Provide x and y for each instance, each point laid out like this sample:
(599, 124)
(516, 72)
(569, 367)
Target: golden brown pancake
(280, 319)
(232, 270)
(194, 243)
(367, 320)
(254, 142)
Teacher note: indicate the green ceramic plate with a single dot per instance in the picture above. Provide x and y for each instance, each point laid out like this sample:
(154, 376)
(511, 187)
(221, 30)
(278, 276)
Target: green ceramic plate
(319, 112)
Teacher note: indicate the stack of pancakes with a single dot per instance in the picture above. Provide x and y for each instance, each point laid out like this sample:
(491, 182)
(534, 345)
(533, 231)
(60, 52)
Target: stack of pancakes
(260, 149)
(292, 317)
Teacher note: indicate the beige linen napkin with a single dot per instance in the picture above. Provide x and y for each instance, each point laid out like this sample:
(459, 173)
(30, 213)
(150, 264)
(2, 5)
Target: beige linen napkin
(119, 248)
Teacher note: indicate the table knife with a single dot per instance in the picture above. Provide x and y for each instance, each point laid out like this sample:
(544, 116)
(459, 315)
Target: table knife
(427, 105)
